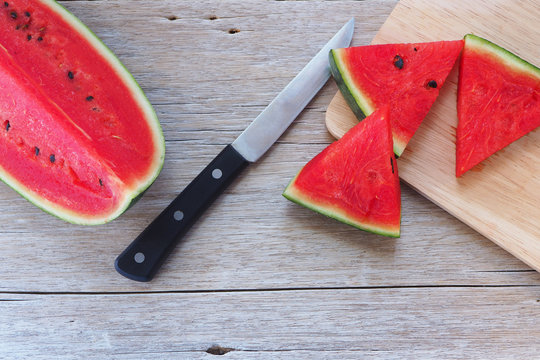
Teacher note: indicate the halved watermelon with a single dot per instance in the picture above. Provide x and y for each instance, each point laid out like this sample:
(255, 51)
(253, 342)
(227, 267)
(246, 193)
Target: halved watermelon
(355, 179)
(498, 101)
(79, 138)
(406, 77)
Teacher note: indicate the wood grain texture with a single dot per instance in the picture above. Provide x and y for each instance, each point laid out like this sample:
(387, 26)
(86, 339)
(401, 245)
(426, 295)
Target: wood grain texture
(258, 274)
(410, 323)
(498, 198)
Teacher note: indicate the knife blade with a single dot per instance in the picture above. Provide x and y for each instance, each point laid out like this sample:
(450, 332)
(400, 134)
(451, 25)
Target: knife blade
(141, 260)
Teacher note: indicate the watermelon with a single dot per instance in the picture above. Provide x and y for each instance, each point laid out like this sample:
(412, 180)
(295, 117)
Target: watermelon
(79, 139)
(498, 101)
(406, 77)
(355, 179)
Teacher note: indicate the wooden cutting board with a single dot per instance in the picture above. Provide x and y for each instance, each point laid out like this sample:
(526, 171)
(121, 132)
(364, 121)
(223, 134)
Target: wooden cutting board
(500, 198)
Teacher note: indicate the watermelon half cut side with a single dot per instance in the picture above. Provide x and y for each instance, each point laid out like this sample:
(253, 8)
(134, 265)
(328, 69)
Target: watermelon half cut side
(406, 77)
(498, 101)
(355, 179)
(78, 137)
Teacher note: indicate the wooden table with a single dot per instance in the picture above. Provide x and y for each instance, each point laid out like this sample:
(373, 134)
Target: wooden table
(258, 277)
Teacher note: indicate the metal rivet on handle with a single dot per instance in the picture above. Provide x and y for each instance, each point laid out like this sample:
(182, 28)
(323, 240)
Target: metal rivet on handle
(217, 173)
(139, 257)
(178, 215)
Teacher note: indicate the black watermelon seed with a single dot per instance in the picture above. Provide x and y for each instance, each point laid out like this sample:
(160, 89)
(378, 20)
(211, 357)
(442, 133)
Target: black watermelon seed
(432, 84)
(13, 15)
(100, 182)
(39, 38)
(29, 37)
(6, 4)
(27, 13)
(8, 125)
(398, 62)
(392, 163)
(36, 150)
(52, 158)
(70, 75)
(89, 98)
(415, 49)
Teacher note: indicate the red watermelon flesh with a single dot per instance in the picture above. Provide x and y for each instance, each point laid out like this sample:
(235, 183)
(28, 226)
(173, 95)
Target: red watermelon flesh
(406, 77)
(79, 138)
(28, 158)
(355, 179)
(498, 101)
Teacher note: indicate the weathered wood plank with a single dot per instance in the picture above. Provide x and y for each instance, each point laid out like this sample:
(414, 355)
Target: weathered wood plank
(286, 247)
(264, 241)
(497, 323)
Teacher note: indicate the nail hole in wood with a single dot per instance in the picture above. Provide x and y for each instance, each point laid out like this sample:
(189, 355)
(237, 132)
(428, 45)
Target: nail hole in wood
(172, 17)
(234, 31)
(213, 17)
(218, 350)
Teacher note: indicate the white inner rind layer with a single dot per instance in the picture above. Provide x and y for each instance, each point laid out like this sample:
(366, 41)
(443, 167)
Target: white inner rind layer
(298, 197)
(506, 57)
(363, 102)
(61, 212)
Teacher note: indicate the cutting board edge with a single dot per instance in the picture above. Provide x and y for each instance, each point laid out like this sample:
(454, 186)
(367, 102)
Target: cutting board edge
(522, 254)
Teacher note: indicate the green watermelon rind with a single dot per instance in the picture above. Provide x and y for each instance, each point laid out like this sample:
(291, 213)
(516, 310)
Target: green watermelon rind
(355, 98)
(61, 213)
(508, 58)
(133, 195)
(293, 194)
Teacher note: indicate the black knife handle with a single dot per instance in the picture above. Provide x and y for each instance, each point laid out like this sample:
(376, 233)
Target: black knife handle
(143, 257)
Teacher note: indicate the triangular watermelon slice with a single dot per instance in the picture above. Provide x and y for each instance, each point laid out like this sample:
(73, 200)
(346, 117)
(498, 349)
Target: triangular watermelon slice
(407, 77)
(355, 179)
(498, 101)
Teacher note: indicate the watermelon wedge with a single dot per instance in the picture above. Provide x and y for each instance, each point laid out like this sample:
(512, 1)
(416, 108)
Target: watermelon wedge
(406, 77)
(79, 139)
(355, 179)
(498, 101)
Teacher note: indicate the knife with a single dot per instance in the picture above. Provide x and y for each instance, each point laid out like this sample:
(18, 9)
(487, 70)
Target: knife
(142, 259)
